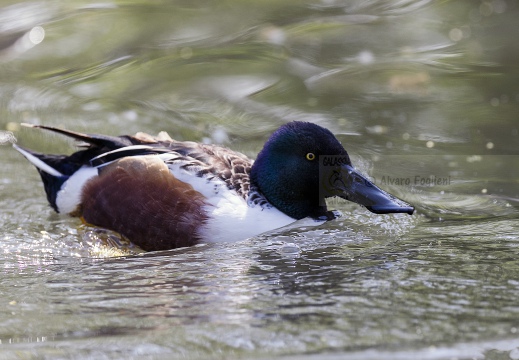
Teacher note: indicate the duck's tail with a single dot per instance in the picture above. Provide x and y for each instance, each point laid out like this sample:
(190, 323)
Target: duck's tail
(46, 165)
(96, 140)
(56, 169)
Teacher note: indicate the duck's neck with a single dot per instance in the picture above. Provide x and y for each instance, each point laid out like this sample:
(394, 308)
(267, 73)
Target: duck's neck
(291, 199)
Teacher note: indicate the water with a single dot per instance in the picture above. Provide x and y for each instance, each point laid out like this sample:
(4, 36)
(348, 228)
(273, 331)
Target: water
(422, 93)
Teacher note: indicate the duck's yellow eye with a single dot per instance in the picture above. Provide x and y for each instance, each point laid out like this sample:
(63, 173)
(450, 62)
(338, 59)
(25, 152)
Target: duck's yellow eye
(310, 156)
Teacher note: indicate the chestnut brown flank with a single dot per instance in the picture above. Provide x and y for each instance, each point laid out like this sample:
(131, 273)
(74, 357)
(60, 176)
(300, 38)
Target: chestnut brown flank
(139, 198)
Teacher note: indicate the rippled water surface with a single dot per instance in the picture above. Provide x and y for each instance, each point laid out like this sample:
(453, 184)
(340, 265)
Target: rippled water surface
(424, 95)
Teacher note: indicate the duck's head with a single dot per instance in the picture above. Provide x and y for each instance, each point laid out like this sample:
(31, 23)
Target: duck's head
(302, 163)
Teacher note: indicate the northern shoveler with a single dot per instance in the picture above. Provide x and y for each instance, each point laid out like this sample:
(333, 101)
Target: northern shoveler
(163, 194)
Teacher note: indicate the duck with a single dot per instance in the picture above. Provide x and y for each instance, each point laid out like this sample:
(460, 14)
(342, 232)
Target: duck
(161, 194)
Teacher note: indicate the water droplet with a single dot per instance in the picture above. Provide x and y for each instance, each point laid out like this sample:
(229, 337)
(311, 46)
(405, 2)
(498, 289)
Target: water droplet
(499, 6)
(456, 34)
(366, 57)
(377, 129)
(220, 136)
(474, 158)
(36, 35)
(486, 9)
(273, 34)
(291, 249)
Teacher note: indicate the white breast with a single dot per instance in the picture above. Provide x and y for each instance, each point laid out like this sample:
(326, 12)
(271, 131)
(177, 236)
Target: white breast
(230, 218)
